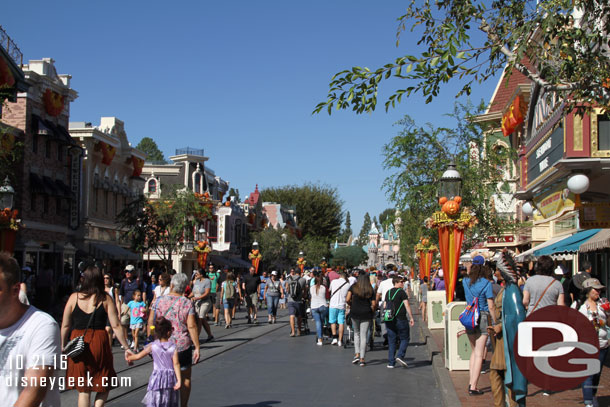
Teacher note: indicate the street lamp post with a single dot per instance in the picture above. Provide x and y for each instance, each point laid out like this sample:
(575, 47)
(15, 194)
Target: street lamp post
(450, 183)
(7, 194)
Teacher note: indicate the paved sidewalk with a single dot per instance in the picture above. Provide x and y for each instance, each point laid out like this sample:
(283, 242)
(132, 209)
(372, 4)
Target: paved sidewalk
(455, 383)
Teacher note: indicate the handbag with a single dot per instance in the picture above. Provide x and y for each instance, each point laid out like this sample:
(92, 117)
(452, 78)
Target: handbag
(77, 345)
(471, 315)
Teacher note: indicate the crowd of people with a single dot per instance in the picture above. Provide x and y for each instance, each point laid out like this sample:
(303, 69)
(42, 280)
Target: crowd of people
(513, 291)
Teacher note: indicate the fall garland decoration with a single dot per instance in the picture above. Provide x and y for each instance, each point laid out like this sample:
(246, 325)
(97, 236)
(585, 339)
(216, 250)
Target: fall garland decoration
(8, 219)
(256, 256)
(138, 164)
(6, 76)
(108, 153)
(53, 102)
(301, 263)
(202, 249)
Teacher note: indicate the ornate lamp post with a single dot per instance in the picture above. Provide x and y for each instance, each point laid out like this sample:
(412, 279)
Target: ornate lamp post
(7, 195)
(9, 224)
(451, 224)
(202, 248)
(301, 262)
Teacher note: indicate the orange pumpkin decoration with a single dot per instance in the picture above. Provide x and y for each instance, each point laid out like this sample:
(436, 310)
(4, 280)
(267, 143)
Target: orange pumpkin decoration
(458, 199)
(451, 208)
(425, 242)
(442, 200)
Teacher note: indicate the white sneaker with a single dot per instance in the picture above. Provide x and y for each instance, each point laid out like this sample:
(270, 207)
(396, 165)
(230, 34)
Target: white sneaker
(334, 342)
(339, 343)
(319, 343)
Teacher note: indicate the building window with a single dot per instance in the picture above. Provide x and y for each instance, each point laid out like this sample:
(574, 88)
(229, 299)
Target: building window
(106, 202)
(60, 153)
(45, 204)
(47, 149)
(603, 132)
(58, 206)
(116, 204)
(197, 183)
(35, 143)
(152, 186)
(32, 201)
(97, 199)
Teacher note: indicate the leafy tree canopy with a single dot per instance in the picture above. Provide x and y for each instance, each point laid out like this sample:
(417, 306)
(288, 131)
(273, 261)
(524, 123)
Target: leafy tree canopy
(348, 256)
(318, 208)
(235, 193)
(278, 254)
(561, 45)
(363, 236)
(419, 155)
(347, 232)
(163, 226)
(153, 154)
(387, 217)
(314, 249)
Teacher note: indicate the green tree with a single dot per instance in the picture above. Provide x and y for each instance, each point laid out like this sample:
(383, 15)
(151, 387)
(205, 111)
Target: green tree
(314, 249)
(363, 236)
(348, 256)
(278, 253)
(347, 232)
(163, 226)
(235, 193)
(561, 45)
(318, 208)
(387, 217)
(153, 154)
(419, 155)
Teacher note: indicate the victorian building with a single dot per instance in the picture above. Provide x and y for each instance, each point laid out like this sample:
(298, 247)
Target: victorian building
(226, 230)
(110, 179)
(48, 175)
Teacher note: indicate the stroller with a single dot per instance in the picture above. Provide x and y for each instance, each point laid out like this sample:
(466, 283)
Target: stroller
(348, 333)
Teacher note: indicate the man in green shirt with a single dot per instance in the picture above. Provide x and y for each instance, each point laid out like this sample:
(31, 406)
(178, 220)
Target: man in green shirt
(213, 276)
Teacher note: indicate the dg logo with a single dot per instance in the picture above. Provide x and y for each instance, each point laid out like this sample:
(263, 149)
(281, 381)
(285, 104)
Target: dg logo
(556, 348)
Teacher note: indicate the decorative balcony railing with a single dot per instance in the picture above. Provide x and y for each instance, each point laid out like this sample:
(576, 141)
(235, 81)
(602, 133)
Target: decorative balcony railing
(10, 47)
(190, 151)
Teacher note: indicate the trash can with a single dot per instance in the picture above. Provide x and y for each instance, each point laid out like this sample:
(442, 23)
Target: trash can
(436, 308)
(415, 288)
(457, 345)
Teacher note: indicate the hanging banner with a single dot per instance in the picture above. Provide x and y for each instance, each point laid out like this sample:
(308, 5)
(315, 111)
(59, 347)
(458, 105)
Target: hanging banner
(53, 102)
(514, 116)
(450, 241)
(138, 164)
(108, 153)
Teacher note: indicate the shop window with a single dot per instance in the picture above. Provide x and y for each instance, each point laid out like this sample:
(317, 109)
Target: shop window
(47, 149)
(603, 132)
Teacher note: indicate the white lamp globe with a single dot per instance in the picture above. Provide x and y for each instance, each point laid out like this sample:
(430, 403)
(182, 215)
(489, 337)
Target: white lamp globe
(578, 183)
(528, 209)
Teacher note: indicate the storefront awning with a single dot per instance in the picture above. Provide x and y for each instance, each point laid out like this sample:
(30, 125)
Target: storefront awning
(110, 251)
(235, 262)
(569, 244)
(600, 241)
(523, 256)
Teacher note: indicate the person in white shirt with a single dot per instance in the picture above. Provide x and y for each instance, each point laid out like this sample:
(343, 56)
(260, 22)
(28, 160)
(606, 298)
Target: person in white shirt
(336, 315)
(30, 351)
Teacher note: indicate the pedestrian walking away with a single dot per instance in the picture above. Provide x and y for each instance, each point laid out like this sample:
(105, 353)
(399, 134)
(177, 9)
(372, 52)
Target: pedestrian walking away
(399, 324)
(361, 300)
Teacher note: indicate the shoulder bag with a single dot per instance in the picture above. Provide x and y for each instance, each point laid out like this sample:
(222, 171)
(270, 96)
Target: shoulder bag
(77, 345)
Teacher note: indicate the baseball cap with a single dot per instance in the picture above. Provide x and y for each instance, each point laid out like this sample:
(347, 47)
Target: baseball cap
(593, 283)
(26, 268)
(559, 271)
(129, 268)
(479, 260)
(440, 273)
(274, 273)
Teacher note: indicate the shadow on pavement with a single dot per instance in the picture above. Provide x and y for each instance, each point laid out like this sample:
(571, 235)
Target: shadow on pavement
(259, 404)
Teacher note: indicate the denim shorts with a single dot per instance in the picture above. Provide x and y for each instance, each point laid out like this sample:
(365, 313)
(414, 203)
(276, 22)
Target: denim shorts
(228, 303)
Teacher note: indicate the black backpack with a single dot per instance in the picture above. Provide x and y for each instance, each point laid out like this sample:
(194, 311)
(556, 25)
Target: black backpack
(389, 310)
(294, 289)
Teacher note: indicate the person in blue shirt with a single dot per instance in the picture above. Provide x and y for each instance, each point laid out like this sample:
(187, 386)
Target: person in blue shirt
(478, 285)
(137, 309)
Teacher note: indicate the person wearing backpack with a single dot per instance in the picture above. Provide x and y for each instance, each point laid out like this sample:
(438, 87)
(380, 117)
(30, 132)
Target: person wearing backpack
(227, 293)
(398, 319)
(295, 286)
(477, 287)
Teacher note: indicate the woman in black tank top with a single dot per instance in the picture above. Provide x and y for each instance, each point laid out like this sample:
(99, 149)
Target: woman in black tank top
(86, 314)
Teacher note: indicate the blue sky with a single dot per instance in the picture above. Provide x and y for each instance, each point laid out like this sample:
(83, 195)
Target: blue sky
(237, 78)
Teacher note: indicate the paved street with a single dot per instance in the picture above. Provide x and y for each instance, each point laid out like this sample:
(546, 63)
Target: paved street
(262, 366)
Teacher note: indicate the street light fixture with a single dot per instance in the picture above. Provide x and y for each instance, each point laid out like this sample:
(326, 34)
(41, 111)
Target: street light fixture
(7, 194)
(202, 234)
(450, 182)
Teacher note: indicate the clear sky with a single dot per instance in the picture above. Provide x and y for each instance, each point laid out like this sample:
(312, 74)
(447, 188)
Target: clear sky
(237, 78)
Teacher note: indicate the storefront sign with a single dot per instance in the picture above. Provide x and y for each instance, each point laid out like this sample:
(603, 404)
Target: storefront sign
(545, 155)
(554, 200)
(565, 225)
(595, 215)
(500, 239)
(75, 155)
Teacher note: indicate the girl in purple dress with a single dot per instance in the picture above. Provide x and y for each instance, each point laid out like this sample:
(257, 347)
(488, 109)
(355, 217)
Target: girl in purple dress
(165, 379)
